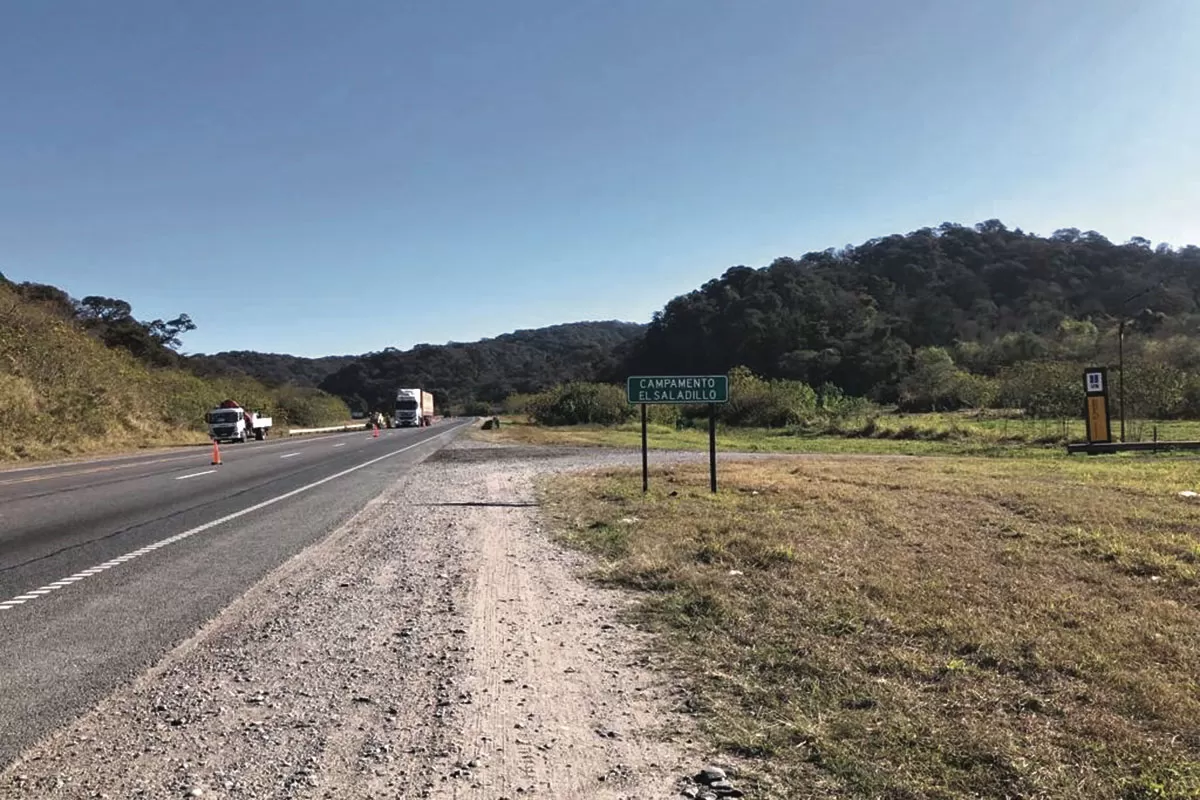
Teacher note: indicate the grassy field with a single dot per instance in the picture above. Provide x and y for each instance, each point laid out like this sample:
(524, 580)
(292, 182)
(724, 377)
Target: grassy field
(896, 434)
(948, 628)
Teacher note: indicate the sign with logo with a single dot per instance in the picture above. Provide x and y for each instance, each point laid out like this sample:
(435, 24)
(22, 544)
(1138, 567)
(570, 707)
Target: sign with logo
(678, 389)
(1096, 412)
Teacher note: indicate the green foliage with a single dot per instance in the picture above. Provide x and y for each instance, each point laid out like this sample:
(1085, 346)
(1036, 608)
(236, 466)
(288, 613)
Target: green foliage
(759, 403)
(273, 369)
(308, 408)
(476, 408)
(936, 384)
(1043, 388)
(991, 297)
(525, 362)
(519, 404)
(975, 391)
(63, 391)
(932, 384)
(832, 402)
(581, 403)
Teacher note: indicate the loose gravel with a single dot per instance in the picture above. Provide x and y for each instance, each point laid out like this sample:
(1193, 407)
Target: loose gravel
(436, 646)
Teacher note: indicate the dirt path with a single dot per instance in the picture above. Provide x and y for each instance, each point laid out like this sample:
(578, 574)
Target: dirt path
(437, 646)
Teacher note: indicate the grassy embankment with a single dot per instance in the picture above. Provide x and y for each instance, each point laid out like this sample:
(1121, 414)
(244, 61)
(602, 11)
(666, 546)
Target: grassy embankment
(897, 434)
(948, 628)
(62, 393)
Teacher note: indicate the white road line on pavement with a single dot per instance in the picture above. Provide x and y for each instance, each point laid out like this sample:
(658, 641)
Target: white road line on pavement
(340, 444)
(290, 455)
(195, 474)
(34, 594)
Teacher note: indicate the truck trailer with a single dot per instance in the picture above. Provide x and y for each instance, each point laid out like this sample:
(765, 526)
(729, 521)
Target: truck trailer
(414, 408)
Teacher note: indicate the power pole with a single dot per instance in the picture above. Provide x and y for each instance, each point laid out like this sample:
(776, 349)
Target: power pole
(1121, 367)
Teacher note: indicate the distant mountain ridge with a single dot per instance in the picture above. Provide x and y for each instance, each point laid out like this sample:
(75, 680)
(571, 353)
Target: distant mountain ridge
(273, 369)
(872, 320)
(489, 370)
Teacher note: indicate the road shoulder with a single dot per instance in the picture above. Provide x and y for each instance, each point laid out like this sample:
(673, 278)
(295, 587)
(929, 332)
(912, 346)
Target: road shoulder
(437, 645)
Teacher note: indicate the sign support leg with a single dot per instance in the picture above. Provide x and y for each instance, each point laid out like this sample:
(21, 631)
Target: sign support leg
(712, 446)
(645, 456)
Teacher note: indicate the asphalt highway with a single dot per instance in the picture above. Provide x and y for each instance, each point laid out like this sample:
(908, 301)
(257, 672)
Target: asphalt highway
(106, 565)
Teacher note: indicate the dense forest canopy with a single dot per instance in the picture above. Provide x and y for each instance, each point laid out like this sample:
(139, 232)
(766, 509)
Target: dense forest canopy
(487, 370)
(939, 318)
(273, 369)
(857, 317)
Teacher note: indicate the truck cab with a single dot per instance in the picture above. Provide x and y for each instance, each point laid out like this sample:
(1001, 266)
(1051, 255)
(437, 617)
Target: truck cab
(414, 408)
(236, 424)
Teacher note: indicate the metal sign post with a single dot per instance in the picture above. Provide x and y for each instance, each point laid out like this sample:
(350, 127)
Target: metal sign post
(680, 390)
(645, 456)
(712, 446)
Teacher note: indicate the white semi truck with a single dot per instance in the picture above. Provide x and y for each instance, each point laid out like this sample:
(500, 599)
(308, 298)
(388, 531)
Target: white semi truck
(229, 422)
(414, 408)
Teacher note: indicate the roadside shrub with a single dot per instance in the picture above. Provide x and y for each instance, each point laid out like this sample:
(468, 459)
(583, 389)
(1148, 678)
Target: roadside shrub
(664, 415)
(1042, 388)
(833, 403)
(758, 403)
(309, 408)
(975, 391)
(1153, 391)
(581, 403)
(519, 404)
(476, 408)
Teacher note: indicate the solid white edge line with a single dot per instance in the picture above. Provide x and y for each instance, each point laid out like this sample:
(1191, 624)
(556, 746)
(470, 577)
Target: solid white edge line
(195, 474)
(34, 594)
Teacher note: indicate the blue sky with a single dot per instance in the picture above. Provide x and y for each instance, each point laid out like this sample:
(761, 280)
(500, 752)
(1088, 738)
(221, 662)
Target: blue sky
(394, 172)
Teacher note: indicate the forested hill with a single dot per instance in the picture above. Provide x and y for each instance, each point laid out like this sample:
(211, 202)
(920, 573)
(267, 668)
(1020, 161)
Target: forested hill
(490, 369)
(855, 317)
(273, 369)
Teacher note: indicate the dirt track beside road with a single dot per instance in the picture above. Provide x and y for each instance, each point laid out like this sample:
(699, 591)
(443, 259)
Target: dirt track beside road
(438, 645)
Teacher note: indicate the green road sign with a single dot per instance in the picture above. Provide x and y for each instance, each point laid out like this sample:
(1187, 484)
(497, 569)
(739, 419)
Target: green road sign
(678, 389)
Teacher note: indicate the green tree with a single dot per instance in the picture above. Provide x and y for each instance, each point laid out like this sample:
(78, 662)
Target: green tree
(933, 383)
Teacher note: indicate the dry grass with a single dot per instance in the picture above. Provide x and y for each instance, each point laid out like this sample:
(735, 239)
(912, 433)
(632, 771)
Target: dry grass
(63, 393)
(941, 628)
(960, 433)
(751, 440)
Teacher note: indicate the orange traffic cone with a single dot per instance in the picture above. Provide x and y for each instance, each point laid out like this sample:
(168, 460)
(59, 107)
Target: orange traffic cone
(376, 434)
(216, 457)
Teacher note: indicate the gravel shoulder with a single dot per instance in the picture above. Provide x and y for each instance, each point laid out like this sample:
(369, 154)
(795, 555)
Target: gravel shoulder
(438, 645)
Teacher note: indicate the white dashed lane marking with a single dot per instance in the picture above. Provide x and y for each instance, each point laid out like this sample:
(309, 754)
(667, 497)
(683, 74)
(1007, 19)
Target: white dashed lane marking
(340, 444)
(290, 455)
(195, 474)
(42, 591)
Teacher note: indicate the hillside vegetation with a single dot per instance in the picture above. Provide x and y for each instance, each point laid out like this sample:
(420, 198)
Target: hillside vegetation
(938, 319)
(63, 390)
(488, 370)
(948, 318)
(273, 369)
